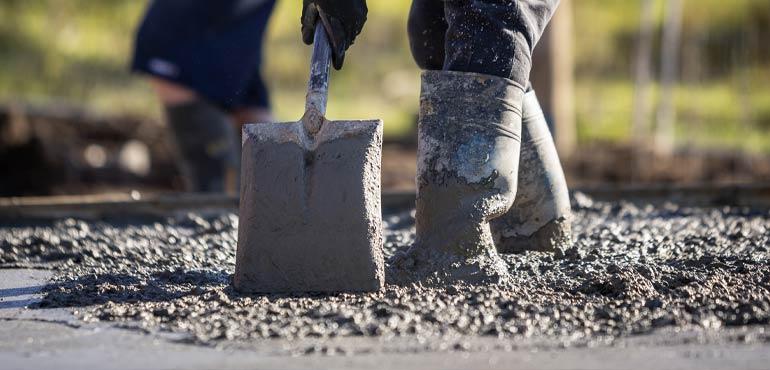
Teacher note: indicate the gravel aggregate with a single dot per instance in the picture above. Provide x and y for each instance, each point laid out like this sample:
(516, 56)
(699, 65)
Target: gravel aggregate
(632, 269)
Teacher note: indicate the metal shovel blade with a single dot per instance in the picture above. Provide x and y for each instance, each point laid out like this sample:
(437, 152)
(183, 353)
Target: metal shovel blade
(310, 217)
(310, 213)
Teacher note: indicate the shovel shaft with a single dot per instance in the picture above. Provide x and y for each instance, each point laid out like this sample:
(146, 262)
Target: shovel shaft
(318, 85)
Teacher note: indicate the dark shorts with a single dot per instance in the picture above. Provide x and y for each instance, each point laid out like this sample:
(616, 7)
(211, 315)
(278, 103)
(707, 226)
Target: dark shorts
(211, 47)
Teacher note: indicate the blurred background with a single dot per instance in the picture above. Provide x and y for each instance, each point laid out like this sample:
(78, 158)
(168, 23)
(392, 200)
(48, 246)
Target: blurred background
(638, 92)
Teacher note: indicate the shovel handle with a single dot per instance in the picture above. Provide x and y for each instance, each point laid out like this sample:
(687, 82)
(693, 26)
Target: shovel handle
(318, 85)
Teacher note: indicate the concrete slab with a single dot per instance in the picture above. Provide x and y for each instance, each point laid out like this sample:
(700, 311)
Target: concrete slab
(20, 288)
(41, 345)
(40, 339)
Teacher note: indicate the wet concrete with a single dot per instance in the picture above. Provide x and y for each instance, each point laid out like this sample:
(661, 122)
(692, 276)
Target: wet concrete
(632, 270)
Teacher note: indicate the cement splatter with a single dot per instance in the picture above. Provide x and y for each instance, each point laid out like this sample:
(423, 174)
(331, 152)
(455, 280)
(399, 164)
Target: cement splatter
(632, 270)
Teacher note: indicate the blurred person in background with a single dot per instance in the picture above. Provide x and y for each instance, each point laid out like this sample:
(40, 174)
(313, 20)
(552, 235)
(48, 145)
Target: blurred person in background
(203, 59)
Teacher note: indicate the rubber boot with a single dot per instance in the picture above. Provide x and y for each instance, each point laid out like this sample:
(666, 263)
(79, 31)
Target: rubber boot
(469, 136)
(206, 141)
(540, 217)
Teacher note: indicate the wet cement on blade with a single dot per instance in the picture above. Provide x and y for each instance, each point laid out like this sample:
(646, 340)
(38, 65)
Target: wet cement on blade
(305, 203)
(632, 270)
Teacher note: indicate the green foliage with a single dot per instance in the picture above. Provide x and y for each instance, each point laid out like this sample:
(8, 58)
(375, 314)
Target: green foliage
(709, 115)
(77, 51)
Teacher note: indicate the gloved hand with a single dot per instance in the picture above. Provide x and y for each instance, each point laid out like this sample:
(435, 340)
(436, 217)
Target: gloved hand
(344, 20)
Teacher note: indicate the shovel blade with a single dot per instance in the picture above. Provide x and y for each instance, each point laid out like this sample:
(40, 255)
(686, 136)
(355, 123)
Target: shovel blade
(310, 212)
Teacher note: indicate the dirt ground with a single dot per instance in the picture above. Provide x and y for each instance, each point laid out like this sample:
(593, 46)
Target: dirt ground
(635, 271)
(64, 150)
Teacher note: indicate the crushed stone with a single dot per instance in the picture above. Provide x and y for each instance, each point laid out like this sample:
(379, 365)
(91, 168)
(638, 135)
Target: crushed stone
(631, 270)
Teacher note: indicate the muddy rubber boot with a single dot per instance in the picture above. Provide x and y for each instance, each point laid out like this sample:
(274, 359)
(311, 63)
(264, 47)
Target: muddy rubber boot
(468, 147)
(540, 217)
(206, 141)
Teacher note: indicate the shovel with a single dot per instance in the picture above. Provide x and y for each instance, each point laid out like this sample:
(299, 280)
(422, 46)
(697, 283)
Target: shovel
(310, 212)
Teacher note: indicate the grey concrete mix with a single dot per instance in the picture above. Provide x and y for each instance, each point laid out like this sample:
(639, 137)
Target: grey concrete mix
(643, 285)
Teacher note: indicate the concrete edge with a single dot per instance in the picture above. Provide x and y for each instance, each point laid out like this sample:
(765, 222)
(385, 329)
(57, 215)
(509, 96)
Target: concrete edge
(163, 204)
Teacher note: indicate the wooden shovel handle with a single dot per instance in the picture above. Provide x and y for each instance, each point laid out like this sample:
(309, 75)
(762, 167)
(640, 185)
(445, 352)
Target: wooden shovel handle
(318, 85)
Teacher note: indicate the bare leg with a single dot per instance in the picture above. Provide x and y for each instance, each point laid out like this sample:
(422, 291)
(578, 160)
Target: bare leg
(170, 93)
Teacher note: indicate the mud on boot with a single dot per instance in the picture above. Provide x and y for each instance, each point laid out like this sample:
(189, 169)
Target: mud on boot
(540, 218)
(468, 147)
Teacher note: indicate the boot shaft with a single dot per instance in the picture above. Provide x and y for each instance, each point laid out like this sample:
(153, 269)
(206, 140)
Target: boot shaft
(469, 136)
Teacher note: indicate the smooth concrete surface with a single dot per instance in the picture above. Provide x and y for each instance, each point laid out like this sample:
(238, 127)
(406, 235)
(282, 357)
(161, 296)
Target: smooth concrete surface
(52, 339)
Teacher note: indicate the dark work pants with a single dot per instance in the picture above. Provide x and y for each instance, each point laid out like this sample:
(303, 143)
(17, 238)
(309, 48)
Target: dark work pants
(494, 37)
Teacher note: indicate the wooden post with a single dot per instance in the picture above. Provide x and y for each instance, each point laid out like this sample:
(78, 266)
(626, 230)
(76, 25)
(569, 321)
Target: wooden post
(669, 66)
(641, 121)
(553, 78)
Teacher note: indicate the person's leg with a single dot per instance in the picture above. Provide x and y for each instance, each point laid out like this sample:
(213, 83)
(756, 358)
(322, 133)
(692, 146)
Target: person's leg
(242, 116)
(540, 218)
(185, 48)
(203, 134)
(495, 37)
(253, 106)
(469, 136)
(426, 29)
(170, 93)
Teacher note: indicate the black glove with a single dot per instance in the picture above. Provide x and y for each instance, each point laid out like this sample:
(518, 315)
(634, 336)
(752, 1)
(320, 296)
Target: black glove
(344, 20)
